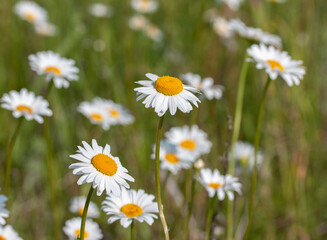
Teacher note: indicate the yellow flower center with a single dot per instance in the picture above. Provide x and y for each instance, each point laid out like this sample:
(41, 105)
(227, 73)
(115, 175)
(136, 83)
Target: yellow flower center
(274, 64)
(131, 210)
(78, 233)
(30, 17)
(3, 238)
(188, 144)
(52, 69)
(24, 108)
(80, 211)
(172, 158)
(96, 117)
(105, 164)
(168, 85)
(215, 185)
(114, 113)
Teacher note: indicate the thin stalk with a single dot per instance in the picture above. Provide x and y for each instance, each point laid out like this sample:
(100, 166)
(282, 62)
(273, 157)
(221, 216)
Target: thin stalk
(132, 230)
(209, 218)
(9, 155)
(236, 131)
(157, 173)
(256, 148)
(86, 207)
(194, 116)
(190, 207)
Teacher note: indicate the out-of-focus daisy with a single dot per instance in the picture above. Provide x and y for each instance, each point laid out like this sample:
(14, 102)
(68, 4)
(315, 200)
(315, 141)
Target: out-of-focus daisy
(171, 159)
(96, 113)
(199, 164)
(25, 103)
(204, 85)
(232, 4)
(153, 32)
(138, 22)
(77, 206)
(72, 229)
(4, 213)
(166, 92)
(215, 183)
(192, 141)
(130, 205)
(144, 6)
(222, 27)
(277, 1)
(60, 70)
(99, 167)
(100, 10)
(8, 233)
(45, 29)
(30, 11)
(244, 154)
(276, 63)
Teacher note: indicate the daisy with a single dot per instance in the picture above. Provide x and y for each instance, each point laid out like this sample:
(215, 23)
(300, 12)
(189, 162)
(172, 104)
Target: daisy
(192, 141)
(25, 103)
(138, 22)
(171, 159)
(4, 213)
(244, 154)
(153, 32)
(45, 29)
(61, 70)
(144, 6)
(98, 166)
(8, 233)
(204, 85)
(130, 205)
(72, 229)
(277, 63)
(232, 4)
(100, 10)
(215, 183)
(30, 11)
(77, 206)
(222, 27)
(163, 93)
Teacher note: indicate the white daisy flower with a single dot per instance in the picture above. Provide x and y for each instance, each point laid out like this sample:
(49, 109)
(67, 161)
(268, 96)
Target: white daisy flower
(244, 154)
(171, 159)
(205, 85)
(25, 103)
(30, 11)
(77, 206)
(99, 167)
(153, 32)
(138, 22)
(215, 183)
(192, 141)
(60, 70)
(232, 4)
(144, 6)
(277, 63)
(163, 93)
(131, 205)
(4, 213)
(72, 229)
(100, 10)
(222, 27)
(8, 233)
(45, 29)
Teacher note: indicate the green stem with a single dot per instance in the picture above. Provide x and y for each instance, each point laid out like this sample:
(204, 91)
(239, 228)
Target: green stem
(194, 116)
(256, 148)
(157, 173)
(132, 230)
(236, 131)
(86, 207)
(209, 218)
(190, 207)
(9, 155)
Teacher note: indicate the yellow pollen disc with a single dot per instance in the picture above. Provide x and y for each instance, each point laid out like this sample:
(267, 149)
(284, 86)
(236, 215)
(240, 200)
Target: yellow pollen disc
(96, 117)
(30, 17)
(80, 211)
(131, 210)
(168, 85)
(105, 164)
(188, 144)
(3, 238)
(23, 108)
(215, 185)
(172, 158)
(52, 69)
(114, 113)
(78, 233)
(274, 64)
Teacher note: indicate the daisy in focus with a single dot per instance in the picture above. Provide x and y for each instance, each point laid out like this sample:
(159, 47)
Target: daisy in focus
(144, 6)
(99, 167)
(100, 10)
(171, 159)
(4, 213)
(8, 233)
(131, 205)
(153, 32)
(45, 29)
(53, 66)
(277, 63)
(77, 206)
(220, 185)
(244, 154)
(166, 93)
(96, 113)
(192, 142)
(205, 85)
(72, 229)
(138, 22)
(25, 103)
(30, 11)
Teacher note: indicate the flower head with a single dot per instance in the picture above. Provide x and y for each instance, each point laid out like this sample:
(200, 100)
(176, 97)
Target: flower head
(7, 232)
(60, 70)
(144, 6)
(130, 205)
(244, 154)
(25, 103)
(99, 167)
(223, 28)
(277, 63)
(4, 213)
(96, 113)
(77, 206)
(72, 229)
(163, 93)
(30, 11)
(45, 29)
(100, 10)
(138, 22)
(153, 32)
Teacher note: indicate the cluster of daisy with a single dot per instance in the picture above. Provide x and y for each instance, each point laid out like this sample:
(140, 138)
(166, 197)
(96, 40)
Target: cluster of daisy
(105, 113)
(38, 16)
